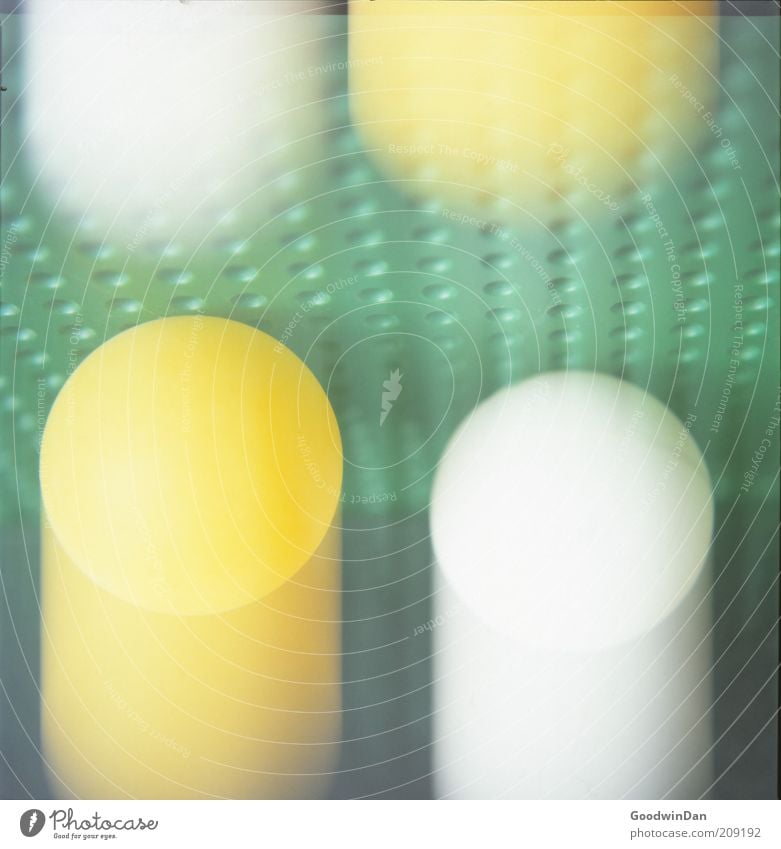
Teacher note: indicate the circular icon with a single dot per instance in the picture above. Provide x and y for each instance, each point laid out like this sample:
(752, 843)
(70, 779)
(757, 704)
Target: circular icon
(31, 822)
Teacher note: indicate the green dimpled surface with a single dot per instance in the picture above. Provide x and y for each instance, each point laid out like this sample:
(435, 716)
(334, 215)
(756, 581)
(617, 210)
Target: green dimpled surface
(676, 290)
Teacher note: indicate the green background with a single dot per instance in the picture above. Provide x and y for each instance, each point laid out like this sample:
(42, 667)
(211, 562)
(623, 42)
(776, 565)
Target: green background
(460, 311)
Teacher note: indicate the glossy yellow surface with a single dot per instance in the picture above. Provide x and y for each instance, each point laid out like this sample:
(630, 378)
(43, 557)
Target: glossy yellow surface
(191, 470)
(470, 101)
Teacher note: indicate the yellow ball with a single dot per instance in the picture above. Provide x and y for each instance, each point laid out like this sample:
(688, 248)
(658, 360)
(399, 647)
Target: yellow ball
(517, 103)
(191, 465)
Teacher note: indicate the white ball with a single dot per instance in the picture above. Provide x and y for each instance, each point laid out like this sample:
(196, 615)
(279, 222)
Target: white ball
(572, 511)
(146, 115)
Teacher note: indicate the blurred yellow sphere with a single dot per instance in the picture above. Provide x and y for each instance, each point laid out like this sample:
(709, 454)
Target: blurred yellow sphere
(191, 465)
(494, 103)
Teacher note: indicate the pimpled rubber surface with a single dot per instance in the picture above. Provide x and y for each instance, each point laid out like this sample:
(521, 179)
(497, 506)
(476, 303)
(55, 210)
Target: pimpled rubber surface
(359, 281)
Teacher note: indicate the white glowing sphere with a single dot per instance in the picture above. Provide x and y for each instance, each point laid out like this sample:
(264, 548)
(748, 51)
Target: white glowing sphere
(572, 511)
(146, 114)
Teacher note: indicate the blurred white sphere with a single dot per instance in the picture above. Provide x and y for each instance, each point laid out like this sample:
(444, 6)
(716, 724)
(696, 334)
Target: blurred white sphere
(163, 115)
(572, 511)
